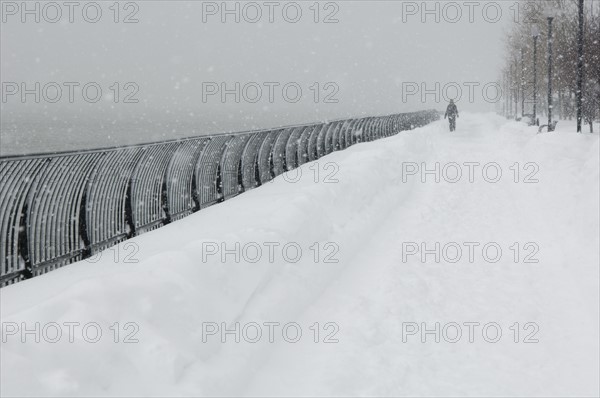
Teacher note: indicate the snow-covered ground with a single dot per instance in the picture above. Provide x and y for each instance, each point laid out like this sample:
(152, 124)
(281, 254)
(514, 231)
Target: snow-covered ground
(368, 208)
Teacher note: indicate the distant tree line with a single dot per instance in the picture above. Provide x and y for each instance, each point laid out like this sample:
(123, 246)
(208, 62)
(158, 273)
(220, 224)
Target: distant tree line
(518, 71)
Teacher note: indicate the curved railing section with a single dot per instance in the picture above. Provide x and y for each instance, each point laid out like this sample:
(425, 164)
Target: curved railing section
(59, 208)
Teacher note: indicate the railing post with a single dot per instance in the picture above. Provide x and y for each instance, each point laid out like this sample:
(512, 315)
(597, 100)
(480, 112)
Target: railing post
(87, 250)
(219, 184)
(129, 211)
(164, 199)
(23, 241)
(240, 176)
(195, 196)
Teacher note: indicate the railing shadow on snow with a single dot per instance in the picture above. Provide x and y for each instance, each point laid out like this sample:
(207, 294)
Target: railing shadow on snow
(59, 208)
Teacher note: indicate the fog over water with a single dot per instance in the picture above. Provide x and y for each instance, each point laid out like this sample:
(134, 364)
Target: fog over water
(356, 65)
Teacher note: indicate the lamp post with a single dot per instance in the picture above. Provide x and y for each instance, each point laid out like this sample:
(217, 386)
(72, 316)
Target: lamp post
(535, 33)
(516, 89)
(580, 66)
(508, 97)
(550, 18)
(522, 81)
(506, 93)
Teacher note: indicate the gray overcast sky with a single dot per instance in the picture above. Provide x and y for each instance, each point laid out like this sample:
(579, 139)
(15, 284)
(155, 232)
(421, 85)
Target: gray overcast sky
(374, 50)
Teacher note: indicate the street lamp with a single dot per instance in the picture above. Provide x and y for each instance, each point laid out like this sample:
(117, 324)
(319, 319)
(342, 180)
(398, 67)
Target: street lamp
(535, 32)
(550, 73)
(579, 66)
(507, 97)
(550, 12)
(522, 82)
(516, 89)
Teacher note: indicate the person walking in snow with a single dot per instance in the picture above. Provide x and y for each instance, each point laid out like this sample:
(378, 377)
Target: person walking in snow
(451, 114)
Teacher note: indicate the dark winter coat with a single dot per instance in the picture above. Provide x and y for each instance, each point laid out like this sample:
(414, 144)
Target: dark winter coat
(451, 111)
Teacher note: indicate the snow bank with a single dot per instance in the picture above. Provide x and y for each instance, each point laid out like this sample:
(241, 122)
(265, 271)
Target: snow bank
(361, 213)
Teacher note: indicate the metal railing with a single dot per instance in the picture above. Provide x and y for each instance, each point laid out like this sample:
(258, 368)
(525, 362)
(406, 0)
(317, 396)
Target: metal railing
(64, 207)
